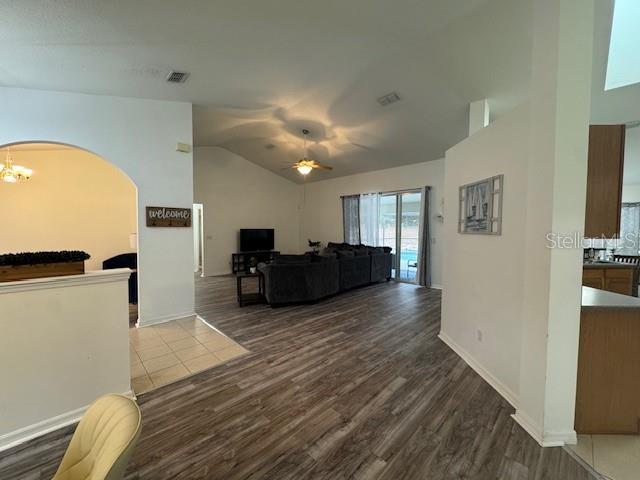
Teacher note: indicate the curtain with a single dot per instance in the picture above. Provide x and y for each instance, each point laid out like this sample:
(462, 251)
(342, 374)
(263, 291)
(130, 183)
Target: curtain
(630, 229)
(351, 219)
(424, 237)
(369, 219)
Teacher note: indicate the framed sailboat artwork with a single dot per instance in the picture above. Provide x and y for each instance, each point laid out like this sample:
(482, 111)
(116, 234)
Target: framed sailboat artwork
(480, 209)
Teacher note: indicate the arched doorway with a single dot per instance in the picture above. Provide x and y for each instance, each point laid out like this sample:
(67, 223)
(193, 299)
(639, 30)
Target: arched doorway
(74, 200)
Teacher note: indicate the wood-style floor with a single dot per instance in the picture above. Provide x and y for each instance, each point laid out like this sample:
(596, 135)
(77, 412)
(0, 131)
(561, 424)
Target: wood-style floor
(357, 386)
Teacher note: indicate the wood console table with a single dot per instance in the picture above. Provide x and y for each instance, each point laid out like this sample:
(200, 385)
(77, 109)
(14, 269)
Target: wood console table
(240, 261)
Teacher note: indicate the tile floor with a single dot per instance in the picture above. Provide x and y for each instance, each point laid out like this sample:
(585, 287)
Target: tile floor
(170, 351)
(615, 456)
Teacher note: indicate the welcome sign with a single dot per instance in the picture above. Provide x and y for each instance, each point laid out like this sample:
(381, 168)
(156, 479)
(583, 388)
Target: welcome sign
(168, 217)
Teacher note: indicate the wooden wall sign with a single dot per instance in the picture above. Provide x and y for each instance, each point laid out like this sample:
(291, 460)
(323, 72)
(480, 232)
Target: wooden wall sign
(168, 217)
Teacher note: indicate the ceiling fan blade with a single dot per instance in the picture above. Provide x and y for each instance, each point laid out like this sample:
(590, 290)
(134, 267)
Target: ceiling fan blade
(322, 167)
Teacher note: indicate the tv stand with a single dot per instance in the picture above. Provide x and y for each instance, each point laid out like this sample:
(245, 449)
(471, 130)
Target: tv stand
(240, 262)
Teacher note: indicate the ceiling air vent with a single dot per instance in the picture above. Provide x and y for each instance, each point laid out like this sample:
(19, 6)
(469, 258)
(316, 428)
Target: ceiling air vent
(388, 99)
(177, 77)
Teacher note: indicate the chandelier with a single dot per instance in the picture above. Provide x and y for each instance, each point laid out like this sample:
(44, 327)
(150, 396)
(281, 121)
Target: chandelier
(11, 173)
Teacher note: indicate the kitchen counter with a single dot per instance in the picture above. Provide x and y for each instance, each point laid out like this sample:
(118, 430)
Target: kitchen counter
(594, 298)
(605, 264)
(608, 391)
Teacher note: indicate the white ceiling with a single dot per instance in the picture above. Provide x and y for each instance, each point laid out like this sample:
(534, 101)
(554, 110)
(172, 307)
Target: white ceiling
(263, 70)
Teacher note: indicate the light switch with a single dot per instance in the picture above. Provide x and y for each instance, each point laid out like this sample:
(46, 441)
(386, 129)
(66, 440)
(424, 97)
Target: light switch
(183, 147)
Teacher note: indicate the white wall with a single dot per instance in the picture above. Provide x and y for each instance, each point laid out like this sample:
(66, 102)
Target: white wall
(545, 192)
(74, 201)
(630, 193)
(139, 137)
(64, 343)
(322, 207)
(239, 194)
(484, 274)
(557, 176)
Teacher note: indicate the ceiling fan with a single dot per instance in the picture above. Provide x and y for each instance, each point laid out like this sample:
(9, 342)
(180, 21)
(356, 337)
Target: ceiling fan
(306, 165)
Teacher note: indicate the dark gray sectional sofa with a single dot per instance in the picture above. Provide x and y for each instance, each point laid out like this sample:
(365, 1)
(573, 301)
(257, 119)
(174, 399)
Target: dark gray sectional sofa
(293, 279)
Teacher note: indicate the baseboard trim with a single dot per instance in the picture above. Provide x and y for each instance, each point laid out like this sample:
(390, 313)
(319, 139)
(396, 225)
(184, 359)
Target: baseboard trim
(529, 426)
(22, 435)
(437, 287)
(488, 377)
(165, 319)
(551, 439)
(220, 273)
(560, 439)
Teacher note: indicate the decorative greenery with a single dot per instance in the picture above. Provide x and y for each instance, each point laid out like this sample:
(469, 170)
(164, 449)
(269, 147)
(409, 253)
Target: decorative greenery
(35, 258)
(315, 246)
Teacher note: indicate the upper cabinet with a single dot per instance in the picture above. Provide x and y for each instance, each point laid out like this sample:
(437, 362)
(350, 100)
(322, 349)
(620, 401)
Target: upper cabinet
(604, 181)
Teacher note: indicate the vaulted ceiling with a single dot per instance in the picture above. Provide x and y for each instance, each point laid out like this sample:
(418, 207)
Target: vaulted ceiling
(263, 70)
(620, 105)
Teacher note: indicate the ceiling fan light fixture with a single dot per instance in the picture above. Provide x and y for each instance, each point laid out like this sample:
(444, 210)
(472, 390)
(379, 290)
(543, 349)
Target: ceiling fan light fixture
(304, 169)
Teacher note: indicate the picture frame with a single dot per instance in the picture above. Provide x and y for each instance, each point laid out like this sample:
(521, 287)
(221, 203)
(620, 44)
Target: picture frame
(480, 207)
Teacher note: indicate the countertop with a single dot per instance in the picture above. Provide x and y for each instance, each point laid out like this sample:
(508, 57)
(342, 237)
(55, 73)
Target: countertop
(605, 264)
(594, 298)
(47, 283)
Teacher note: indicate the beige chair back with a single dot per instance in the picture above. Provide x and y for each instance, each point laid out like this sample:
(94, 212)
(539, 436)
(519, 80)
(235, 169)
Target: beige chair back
(103, 442)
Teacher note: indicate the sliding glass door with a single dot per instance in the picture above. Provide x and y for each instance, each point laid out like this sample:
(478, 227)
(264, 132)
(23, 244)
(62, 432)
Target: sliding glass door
(388, 226)
(399, 229)
(408, 233)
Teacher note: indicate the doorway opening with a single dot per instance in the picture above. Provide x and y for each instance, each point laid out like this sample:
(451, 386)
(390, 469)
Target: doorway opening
(74, 200)
(198, 239)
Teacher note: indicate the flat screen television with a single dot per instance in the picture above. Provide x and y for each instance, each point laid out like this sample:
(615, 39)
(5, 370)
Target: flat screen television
(256, 239)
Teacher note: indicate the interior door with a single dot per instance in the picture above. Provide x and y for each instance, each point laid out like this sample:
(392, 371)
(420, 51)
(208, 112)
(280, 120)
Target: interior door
(198, 246)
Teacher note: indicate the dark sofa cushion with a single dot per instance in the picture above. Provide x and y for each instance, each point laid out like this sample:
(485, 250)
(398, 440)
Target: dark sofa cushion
(292, 259)
(298, 282)
(355, 271)
(303, 278)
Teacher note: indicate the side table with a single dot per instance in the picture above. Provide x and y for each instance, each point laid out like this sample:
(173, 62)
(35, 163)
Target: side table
(250, 298)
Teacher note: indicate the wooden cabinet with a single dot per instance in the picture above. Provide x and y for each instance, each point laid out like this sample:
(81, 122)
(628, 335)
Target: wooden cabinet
(613, 279)
(604, 181)
(593, 277)
(608, 390)
(619, 280)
